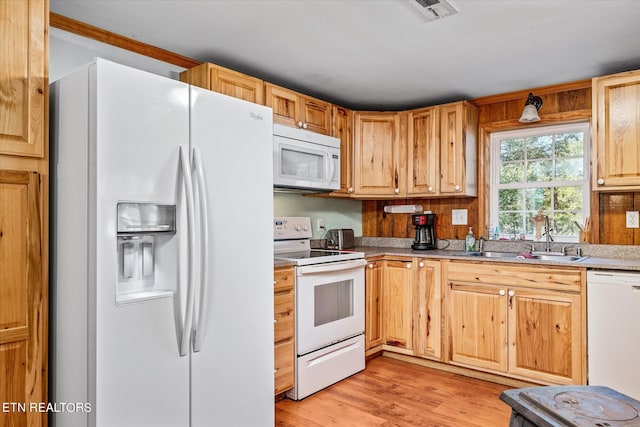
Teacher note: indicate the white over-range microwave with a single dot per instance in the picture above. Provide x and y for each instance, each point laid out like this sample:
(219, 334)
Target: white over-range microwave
(304, 160)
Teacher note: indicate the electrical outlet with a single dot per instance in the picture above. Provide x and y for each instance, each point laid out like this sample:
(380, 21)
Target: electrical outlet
(633, 219)
(458, 217)
(320, 225)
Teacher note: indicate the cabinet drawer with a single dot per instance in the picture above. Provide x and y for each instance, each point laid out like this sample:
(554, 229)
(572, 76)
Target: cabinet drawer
(283, 279)
(530, 276)
(283, 315)
(284, 362)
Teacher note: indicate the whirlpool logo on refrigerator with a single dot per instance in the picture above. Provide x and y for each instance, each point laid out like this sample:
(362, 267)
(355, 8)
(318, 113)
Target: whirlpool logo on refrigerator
(255, 116)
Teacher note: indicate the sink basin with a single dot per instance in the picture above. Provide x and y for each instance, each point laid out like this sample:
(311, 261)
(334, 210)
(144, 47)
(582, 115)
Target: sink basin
(494, 254)
(548, 257)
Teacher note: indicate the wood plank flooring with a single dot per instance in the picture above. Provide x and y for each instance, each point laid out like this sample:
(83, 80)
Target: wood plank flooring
(395, 393)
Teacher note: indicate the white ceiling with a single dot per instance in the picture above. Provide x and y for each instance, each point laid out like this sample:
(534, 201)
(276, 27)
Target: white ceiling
(380, 54)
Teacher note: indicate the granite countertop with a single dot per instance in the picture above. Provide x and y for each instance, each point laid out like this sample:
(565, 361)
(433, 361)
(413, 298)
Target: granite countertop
(605, 257)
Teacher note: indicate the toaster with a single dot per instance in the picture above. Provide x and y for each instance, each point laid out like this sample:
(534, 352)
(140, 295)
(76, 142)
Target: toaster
(340, 238)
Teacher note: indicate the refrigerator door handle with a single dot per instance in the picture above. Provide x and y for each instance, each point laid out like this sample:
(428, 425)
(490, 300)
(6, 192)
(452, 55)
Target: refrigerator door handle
(191, 237)
(198, 332)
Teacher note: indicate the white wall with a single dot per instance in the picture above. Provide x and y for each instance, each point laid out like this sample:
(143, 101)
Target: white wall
(69, 51)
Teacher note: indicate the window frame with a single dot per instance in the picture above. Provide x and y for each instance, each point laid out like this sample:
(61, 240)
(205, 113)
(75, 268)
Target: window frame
(495, 162)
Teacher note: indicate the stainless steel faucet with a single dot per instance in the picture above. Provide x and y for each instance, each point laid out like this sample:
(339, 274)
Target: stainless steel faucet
(547, 234)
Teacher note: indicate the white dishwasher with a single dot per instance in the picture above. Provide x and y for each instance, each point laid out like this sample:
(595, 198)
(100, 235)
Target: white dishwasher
(613, 330)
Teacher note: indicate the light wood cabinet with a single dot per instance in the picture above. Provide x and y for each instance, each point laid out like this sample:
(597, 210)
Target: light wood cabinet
(616, 132)
(428, 152)
(22, 297)
(373, 303)
(284, 327)
(523, 321)
(379, 166)
(297, 110)
(410, 303)
(342, 128)
(225, 81)
(442, 151)
(428, 309)
(24, 186)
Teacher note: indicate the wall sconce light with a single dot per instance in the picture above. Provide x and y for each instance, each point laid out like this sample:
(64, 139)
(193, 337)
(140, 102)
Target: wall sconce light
(531, 107)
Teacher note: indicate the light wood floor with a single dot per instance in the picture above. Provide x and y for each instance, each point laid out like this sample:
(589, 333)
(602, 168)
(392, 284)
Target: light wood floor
(395, 393)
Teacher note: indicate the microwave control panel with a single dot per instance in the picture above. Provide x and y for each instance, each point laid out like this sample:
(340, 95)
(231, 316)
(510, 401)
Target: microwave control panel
(292, 227)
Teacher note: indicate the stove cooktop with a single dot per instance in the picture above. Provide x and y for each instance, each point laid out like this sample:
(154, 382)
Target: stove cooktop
(318, 256)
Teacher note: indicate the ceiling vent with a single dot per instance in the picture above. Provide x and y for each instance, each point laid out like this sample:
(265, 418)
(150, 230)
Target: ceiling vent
(431, 10)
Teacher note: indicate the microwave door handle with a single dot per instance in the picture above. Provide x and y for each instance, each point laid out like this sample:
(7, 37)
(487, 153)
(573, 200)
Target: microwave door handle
(332, 168)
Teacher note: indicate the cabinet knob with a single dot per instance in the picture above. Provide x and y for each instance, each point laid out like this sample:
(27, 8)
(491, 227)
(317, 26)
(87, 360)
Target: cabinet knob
(512, 293)
(275, 321)
(409, 265)
(275, 281)
(430, 189)
(421, 264)
(304, 125)
(396, 190)
(299, 124)
(600, 181)
(350, 190)
(502, 292)
(370, 265)
(457, 188)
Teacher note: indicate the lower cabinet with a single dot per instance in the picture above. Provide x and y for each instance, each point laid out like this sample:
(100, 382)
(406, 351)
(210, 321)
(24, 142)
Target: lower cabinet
(284, 326)
(523, 321)
(403, 298)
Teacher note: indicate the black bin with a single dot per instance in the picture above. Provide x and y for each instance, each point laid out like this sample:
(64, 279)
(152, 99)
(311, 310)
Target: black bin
(575, 406)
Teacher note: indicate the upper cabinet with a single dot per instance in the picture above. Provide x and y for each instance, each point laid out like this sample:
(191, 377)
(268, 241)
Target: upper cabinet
(616, 132)
(379, 167)
(225, 81)
(297, 110)
(342, 128)
(429, 152)
(23, 87)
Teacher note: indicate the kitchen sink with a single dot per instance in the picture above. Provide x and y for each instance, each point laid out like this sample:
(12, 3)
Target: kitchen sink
(542, 256)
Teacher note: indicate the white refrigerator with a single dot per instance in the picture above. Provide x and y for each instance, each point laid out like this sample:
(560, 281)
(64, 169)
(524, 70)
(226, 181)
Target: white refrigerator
(162, 253)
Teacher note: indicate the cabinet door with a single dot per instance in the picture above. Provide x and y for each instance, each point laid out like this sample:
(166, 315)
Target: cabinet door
(397, 304)
(237, 85)
(452, 149)
(22, 298)
(373, 297)
(478, 325)
(284, 325)
(314, 115)
(24, 71)
(285, 104)
(545, 336)
(616, 117)
(423, 153)
(378, 168)
(342, 128)
(428, 310)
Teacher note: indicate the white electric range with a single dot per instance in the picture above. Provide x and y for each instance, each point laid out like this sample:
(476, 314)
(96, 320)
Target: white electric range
(329, 307)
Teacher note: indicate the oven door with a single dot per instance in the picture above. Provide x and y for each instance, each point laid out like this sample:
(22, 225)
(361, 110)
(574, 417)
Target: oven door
(329, 304)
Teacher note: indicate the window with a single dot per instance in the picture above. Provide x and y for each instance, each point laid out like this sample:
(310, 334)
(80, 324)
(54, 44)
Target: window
(537, 172)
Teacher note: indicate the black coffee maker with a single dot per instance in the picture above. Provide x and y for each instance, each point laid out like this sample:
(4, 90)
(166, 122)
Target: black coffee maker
(425, 231)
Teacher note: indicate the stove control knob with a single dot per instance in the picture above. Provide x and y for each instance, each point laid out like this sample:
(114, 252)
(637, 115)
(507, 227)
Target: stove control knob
(305, 227)
(298, 228)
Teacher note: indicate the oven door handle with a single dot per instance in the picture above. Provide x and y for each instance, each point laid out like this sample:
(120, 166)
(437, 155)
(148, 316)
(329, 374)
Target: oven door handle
(330, 267)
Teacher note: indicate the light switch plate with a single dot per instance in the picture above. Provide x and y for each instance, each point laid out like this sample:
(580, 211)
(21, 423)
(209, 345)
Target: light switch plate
(458, 217)
(633, 219)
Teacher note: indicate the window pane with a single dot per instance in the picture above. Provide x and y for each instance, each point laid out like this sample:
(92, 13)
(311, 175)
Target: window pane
(512, 172)
(568, 198)
(512, 149)
(569, 144)
(539, 147)
(510, 224)
(564, 223)
(538, 198)
(510, 200)
(569, 169)
(539, 171)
